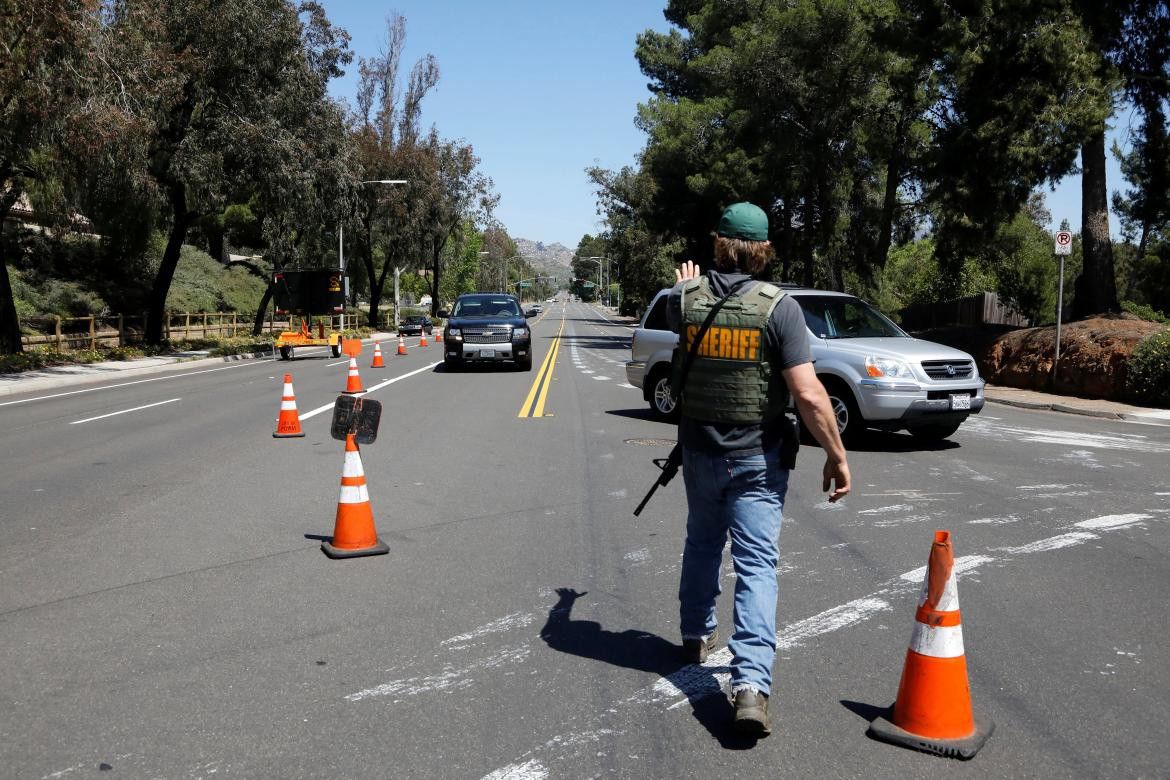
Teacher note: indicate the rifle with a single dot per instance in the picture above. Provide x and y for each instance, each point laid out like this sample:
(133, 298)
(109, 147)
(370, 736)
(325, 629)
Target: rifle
(668, 468)
(669, 465)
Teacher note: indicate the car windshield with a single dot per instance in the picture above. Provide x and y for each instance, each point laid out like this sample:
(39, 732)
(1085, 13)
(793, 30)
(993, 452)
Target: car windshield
(415, 320)
(486, 306)
(838, 317)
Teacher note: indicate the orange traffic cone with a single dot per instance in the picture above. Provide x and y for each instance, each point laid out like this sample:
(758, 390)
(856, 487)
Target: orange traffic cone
(422, 337)
(353, 384)
(288, 424)
(354, 534)
(401, 345)
(377, 357)
(933, 710)
(438, 336)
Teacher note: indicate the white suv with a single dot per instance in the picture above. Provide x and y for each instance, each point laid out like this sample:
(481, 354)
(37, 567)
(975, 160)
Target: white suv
(876, 375)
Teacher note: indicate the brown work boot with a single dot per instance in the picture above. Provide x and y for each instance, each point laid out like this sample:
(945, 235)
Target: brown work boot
(751, 712)
(695, 651)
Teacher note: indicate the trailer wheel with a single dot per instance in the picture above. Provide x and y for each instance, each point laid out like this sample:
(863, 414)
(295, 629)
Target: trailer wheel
(286, 353)
(335, 349)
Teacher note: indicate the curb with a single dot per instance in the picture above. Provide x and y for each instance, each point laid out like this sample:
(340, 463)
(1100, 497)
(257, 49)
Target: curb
(1066, 409)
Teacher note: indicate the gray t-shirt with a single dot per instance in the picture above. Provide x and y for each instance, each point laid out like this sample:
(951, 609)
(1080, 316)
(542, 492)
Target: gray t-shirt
(787, 338)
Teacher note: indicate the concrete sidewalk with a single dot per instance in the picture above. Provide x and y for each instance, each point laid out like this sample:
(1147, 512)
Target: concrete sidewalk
(1031, 399)
(120, 370)
(56, 377)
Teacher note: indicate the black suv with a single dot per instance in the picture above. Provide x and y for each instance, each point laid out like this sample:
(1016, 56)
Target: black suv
(415, 325)
(487, 327)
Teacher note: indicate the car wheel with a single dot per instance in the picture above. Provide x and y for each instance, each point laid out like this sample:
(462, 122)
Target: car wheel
(934, 431)
(850, 423)
(286, 353)
(524, 363)
(662, 403)
(335, 349)
(451, 364)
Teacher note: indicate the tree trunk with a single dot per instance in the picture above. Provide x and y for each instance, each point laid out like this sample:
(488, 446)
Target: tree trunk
(262, 309)
(157, 303)
(881, 252)
(1096, 287)
(9, 322)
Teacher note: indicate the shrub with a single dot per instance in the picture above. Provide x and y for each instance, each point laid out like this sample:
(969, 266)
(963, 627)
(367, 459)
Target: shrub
(1145, 311)
(1148, 377)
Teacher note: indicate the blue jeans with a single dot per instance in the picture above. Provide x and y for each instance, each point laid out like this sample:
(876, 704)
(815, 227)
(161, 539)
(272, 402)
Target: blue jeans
(743, 494)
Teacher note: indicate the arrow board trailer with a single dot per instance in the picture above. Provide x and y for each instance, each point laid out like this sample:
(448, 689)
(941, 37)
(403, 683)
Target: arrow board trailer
(304, 293)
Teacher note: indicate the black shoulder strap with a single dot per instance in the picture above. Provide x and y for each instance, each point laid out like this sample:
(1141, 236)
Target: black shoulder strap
(693, 350)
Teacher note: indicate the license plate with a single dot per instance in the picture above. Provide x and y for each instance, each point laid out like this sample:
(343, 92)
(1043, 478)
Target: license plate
(961, 401)
(487, 353)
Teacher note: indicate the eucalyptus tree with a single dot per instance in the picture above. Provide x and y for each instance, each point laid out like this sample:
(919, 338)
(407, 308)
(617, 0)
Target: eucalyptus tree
(455, 193)
(213, 91)
(42, 48)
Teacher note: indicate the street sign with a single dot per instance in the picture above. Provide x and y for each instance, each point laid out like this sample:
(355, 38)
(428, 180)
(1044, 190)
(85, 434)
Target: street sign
(359, 416)
(1063, 243)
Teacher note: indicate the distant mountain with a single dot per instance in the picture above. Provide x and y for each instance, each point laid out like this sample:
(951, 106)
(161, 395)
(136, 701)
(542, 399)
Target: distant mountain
(551, 259)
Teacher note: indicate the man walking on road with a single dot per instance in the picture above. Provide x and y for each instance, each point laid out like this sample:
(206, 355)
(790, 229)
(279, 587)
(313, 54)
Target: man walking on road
(743, 349)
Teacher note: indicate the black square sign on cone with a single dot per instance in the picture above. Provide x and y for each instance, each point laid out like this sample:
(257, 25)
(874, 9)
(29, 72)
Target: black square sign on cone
(357, 416)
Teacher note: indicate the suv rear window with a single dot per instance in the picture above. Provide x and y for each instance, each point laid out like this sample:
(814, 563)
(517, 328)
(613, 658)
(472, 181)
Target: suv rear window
(656, 318)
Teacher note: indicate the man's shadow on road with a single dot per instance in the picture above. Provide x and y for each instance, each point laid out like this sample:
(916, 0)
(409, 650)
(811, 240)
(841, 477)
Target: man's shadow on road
(645, 652)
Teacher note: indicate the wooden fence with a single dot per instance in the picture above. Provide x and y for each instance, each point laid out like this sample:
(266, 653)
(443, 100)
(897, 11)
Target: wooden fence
(78, 333)
(982, 309)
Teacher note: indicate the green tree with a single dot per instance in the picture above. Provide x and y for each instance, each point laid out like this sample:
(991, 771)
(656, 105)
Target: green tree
(42, 48)
(213, 92)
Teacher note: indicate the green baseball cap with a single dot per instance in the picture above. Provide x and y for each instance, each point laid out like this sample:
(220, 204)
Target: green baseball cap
(745, 221)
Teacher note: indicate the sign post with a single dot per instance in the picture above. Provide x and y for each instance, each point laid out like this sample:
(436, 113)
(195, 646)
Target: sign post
(1063, 249)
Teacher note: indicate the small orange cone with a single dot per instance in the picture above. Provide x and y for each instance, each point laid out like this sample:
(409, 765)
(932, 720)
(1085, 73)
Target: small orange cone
(377, 357)
(933, 710)
(438, 336)
(354, 534)
(401, 345)
(353, 384)
(422, 337)
(288, 424)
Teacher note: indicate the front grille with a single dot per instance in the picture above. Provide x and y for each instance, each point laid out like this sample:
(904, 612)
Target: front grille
(488, 334)
(942, 370)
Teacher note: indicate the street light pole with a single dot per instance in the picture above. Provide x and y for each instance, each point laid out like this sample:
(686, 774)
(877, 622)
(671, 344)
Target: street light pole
(605, 287)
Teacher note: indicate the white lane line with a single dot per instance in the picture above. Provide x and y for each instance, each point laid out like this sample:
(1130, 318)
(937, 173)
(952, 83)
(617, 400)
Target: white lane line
(369, 390)
(124, 411)
(449, 678)
(602, 378)
(338, 363)
(137, 382)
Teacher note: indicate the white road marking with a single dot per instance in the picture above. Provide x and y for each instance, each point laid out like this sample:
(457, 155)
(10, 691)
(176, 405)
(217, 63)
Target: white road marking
(529, 770)
(1051, 543)
(136, 382)
(627, 385)
(369, 390)
(1112, 521)
(338, 363)
(602, 378)
(883, 509)
(963, 564)
(506, 623)
(124, 411)
(449, 678)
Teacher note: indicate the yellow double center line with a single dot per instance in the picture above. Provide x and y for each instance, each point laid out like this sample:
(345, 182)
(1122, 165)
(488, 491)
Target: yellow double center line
(534, 403)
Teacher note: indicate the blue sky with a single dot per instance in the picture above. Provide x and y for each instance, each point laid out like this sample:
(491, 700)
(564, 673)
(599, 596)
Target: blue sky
(543, 90)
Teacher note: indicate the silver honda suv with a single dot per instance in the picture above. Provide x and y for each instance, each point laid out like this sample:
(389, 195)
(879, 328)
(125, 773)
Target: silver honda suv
(876, 375)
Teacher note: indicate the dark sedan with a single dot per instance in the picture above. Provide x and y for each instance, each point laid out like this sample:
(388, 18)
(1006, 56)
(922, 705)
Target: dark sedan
(415, 325)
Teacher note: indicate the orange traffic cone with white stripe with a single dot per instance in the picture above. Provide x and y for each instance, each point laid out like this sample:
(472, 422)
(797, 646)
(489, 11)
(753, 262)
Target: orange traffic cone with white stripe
(377, 357)
(438, 336)
(401, 345)
(422, 337)
(933, 710)
(353, 384)
(288, 423)
(354, 534)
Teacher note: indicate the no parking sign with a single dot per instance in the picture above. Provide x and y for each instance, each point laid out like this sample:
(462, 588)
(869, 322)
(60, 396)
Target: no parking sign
(1063, 243)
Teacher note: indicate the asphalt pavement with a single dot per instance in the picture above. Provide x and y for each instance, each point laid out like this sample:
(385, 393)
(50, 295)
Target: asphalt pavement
(166, 611)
